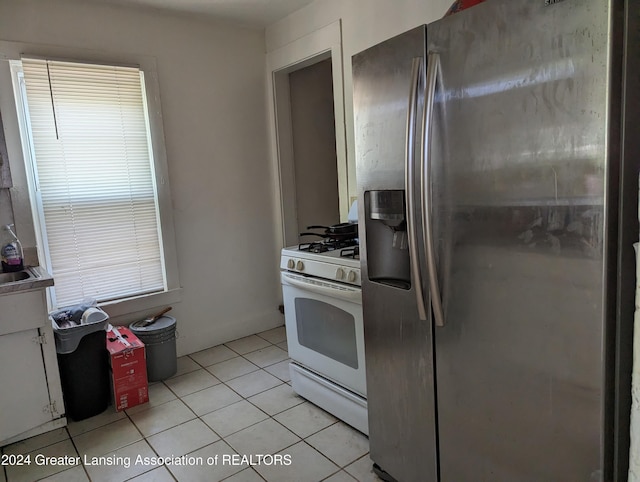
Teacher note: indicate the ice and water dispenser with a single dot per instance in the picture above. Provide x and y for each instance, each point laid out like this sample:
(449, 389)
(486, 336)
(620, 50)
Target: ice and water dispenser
(387, 241)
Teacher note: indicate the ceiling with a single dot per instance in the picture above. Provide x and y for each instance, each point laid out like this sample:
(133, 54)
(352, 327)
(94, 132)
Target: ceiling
(254, 13)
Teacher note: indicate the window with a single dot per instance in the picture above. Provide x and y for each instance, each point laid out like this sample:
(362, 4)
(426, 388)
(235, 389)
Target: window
(93, 178)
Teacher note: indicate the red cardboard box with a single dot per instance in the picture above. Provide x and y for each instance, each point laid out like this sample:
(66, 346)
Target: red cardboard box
(128, 368)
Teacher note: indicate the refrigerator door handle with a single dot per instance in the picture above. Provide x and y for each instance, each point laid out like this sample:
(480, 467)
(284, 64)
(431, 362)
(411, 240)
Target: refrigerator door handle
(409, 185)
(433, 63)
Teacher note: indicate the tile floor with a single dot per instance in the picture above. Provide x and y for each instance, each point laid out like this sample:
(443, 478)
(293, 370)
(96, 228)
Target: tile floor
(230, 399)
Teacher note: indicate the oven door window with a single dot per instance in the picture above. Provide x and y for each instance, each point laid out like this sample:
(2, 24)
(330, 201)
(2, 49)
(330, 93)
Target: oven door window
(327, 329)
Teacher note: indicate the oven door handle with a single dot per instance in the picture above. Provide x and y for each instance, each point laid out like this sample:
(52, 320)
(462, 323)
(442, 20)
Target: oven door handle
(320, 287)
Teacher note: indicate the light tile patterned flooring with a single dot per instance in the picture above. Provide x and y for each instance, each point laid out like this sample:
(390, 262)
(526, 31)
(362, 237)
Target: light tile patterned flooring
(230, 399)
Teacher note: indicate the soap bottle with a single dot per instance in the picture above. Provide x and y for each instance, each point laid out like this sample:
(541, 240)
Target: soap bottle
(12, 255)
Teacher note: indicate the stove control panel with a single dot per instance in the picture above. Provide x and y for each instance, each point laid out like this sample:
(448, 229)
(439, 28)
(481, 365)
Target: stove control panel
(343, 270)
(351, 275)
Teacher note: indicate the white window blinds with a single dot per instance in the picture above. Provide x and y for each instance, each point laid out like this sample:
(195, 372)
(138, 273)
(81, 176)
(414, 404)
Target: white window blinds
(95, 182)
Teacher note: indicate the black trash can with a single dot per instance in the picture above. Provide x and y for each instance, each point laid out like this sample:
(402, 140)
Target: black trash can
(84, 369)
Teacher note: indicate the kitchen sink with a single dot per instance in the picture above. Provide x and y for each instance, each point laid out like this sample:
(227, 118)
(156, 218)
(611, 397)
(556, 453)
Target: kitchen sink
(29, 278)
(13, 277)
(23, 275)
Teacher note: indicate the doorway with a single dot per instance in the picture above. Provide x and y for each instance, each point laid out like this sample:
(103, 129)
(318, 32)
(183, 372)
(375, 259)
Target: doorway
(309, 133)
(314, 147)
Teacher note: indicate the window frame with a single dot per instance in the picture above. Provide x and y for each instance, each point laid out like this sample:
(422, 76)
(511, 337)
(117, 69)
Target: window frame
(24, 206)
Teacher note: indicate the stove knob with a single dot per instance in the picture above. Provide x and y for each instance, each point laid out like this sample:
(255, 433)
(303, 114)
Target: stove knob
(352, 276)
(299, 265)
(339, 273)
(291, 264)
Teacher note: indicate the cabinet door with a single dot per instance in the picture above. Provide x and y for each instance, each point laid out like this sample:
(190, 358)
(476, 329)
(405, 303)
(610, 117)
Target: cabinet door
(24, 396)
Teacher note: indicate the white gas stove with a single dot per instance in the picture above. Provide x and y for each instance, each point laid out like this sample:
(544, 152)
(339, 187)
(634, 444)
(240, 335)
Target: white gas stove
(323, 317)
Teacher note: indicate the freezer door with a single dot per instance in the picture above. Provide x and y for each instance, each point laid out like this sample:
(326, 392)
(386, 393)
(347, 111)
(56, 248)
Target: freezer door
(519, 167)
(398, 344)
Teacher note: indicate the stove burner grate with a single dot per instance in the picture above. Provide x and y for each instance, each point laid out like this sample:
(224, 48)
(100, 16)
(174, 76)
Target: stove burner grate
(352, 252)
(328, 244)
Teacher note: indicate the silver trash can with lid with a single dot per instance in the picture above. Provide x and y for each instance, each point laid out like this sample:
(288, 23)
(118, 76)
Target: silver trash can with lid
(159, 338)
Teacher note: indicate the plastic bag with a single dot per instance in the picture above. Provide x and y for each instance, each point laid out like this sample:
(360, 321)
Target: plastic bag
(72, 315)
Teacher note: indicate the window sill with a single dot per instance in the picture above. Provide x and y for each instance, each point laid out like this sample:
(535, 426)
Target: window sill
(128, 310)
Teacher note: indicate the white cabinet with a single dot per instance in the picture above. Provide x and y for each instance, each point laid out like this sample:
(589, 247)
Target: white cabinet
(31, 400)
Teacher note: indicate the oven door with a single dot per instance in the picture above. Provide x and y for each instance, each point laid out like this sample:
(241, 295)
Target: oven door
(325, 329)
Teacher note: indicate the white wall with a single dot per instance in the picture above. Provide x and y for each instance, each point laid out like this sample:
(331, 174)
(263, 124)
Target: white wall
(364, 24)
(212, 89)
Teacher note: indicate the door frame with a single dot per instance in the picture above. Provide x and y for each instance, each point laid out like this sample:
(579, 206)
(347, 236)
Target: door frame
(320, 45)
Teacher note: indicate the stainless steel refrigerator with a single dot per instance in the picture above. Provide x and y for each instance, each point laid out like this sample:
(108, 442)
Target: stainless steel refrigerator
(497, 155)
